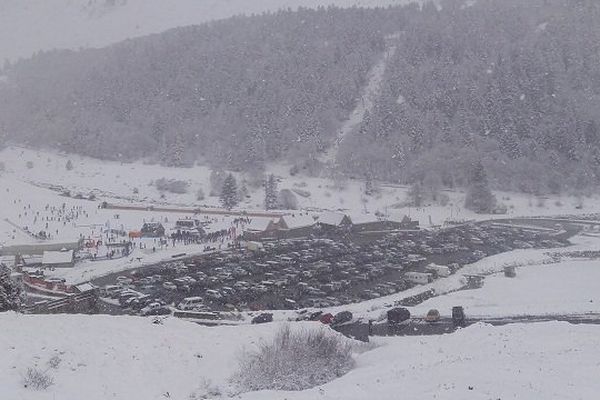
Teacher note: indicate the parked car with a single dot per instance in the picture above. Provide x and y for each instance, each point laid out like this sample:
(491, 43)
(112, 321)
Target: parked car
(326, 318)
(341, 318)
(458, 316)
(190, 303)
(155, 309)
(262, 318)
(169, 286)
(398, 315)
(433, 315)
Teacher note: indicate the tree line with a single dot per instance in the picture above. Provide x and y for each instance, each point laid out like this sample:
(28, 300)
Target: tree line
(510, 85)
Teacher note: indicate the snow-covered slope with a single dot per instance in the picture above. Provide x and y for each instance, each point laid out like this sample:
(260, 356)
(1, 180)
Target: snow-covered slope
(116, 182)
(29, 26)
(131, 358)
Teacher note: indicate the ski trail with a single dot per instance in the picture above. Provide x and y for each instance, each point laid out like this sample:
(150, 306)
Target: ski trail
(366, 101)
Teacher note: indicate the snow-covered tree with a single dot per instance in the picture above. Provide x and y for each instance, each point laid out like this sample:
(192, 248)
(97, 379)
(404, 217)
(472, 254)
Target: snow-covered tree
(287, 200)
(479, 196)
(243, 192)
(10, 292)
(416, 195)
(229, 193)
(271, 193)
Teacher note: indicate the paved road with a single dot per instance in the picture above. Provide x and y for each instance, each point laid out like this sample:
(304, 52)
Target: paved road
(419, 327)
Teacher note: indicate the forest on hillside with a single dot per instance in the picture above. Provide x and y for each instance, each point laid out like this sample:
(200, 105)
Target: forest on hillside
(237, 92)
(508, 84)
(515, 84)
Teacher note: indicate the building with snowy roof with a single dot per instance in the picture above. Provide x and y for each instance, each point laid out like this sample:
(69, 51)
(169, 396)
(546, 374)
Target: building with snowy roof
(58, 259)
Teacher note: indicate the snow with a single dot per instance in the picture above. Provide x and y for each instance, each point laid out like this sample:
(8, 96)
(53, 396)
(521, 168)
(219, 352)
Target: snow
(297, 220)
(259, 224)
(513, 362)
(25, 192)
(331, 218)
(531, 296)
(570, 287)
(27, 27)
(367, 100)
(132, 358)
(57, 257)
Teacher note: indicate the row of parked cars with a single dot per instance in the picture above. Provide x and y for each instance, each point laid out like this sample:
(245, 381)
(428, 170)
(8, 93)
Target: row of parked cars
(318, 273)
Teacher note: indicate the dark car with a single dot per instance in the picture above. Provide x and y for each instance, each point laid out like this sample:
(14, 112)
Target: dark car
(262, 318)
(342, 317)
(458, 316)
(162, 310)
(398, 315)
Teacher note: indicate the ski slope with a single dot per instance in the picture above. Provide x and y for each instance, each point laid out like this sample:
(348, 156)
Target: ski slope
(366, 102)
(33, 25)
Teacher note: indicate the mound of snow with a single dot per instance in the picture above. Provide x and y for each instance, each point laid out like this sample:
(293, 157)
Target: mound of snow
(100, 357)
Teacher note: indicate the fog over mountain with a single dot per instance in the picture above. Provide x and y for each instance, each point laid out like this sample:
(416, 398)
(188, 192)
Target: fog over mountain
(27, 26)
(511, 87)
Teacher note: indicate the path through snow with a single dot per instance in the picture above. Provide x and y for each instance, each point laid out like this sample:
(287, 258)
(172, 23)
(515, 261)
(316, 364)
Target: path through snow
(367, 99)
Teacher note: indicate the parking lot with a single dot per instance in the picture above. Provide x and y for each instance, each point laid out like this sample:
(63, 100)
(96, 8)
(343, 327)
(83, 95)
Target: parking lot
(313, 272)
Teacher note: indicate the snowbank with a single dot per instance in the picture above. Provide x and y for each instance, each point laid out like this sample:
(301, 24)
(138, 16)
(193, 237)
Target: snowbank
(131, 358)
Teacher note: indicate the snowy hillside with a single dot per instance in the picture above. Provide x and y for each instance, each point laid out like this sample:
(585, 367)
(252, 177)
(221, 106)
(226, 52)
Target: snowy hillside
(130, 358)
(30, 26)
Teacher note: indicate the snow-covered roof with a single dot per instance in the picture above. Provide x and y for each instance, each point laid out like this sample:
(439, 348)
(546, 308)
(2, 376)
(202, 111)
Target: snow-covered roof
(331, 218)
(295, 221)
(84, 287)
(57, 257)
(258, 224)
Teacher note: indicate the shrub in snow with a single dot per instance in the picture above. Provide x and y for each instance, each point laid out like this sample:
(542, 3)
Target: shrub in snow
(171, 185)
(294, 360)
(200, 195)
(37, 380)
(69, 165)
(206, 391)
(54, 362)
(29, 164)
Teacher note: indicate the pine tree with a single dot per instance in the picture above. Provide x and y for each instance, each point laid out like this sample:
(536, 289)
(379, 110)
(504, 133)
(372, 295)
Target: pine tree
(229, 193)
(10, 293)
(243, 191)
(177, 151)
(271, 193)
(415, 194)
(69, 165)
(479, 196)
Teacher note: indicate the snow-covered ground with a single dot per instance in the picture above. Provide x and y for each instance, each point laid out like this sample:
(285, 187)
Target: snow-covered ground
(33, 25)
(131, 358)
(116, 182)
(27, 202)
(541, 287)
(564, 288)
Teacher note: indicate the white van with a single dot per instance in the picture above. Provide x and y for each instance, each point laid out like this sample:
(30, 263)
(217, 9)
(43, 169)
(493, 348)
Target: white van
(190, 303)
